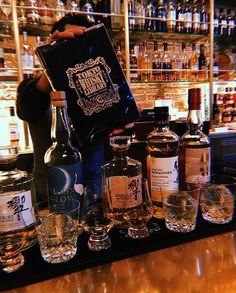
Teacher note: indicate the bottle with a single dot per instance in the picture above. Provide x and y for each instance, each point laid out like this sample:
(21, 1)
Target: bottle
(166, 64)
(27, 56)
(32, 14)
(215, 23)
(16, 198)
(103, 6)
(230, 23)
(13, 128)
(59, 13)
(171, 17)
(2, 61)
(184, 74)
(176, 64)
(46, 15)
(222, 23)
(193, 63)
(140, 12)
(63, 161)
(216, 114)
(88, 6)
(145, 63)
(216, 67)
(196, 18)
(161, 17)
(156, 64)
(202, 65)
(151, 11)
(188, 17)
(179, 17)
(122, 178)
(133, 66)
(120, 55)
(195, 150)
(131, 13)
(204, 27)
(162, 147)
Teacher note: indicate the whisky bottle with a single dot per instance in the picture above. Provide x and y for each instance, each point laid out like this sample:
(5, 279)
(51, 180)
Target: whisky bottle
(16, 199)
(188, 18)
(230, 23)
(131, 13)
(133, 66)
(166, 64)
(184, 74)
(27, 56)
(145, 63)
(140, 12)
(222, 23)
(215, 23)
(13, 128)
(195, 150)
(196, 18)
(171, 17)
(32, 14)
(120, 55)
(122, 178)
(59, 13)
(179, 18)
(151, 11)
(156, 64)
(161, 17)
(202, 65)
(193, 63)
(162, 147)
(63, 161)
(88, 6)
(204, 27)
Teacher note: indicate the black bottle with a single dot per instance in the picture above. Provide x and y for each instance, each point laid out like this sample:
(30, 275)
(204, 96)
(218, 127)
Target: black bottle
(222, 23)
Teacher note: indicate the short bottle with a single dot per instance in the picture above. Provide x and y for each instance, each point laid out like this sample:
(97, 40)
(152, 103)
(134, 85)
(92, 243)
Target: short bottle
(162, 147)
(16, 198)
(63, 161)
(122, 178)
(195, 149)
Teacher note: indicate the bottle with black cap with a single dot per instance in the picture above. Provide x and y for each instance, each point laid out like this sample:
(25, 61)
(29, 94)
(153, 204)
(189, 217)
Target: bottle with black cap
(195, 150)
(162, 147)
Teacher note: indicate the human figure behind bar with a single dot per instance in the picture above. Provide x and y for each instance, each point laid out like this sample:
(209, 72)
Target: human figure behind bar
(33, 106)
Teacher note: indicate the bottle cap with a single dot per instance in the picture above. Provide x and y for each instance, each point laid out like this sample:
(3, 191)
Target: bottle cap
(163, 110)
(161, 114)
(8, 155)
(58, 98)
(194, 99)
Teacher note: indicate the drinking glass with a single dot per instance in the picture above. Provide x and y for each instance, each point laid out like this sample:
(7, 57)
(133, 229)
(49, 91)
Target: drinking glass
(57, 231)
(94, 221)
(217, 199)
(138, 216)
(180, 209)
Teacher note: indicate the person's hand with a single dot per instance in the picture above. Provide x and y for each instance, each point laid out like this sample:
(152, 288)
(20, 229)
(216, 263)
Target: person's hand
(121, 130)
(70, 32)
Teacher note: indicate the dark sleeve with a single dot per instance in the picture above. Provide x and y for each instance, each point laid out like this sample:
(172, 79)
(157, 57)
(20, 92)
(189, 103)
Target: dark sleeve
(31, 103)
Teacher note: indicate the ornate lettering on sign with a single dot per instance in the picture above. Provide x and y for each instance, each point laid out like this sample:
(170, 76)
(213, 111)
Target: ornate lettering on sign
(93, 85)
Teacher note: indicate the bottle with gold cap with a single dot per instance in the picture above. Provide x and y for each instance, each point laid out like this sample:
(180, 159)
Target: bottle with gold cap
(195, 150)
(63, 160)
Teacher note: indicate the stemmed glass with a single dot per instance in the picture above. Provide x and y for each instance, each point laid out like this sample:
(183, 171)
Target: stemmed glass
(138, 217)
(6, 7)
(94, 221)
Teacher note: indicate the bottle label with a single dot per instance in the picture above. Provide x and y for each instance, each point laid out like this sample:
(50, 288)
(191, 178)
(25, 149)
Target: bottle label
(15, 210)
(164, 176)
(197, 162)
(14, 132)
(64, 184)
(125, 192)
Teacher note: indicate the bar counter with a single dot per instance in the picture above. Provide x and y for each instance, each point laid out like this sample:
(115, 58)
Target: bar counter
(205, 265)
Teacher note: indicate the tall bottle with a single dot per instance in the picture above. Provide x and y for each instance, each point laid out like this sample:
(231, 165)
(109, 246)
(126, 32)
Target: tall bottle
(222, 23)
(196, 18)
(63, 161)
(151, 11)
(202, 65)
(171, 16)
(88, 6)
(166, 64)
(179, 17)
(161, 16)
(162, 147)
(204, 27)
(188, 17)
(195, 150)
(122, 178)
(27, 58)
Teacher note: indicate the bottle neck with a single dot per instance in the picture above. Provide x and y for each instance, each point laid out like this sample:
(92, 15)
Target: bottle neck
(194, 121)
(60, 130)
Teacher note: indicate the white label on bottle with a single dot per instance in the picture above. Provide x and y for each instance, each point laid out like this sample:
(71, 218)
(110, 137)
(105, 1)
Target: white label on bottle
(27, 61)
(164, 176)
(15, 210)
(125, 192)
(14, 132)
(197, 165)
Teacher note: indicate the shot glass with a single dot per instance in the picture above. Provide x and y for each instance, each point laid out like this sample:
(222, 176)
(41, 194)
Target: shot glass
(217, 199)
(57, 231)
(180, 209)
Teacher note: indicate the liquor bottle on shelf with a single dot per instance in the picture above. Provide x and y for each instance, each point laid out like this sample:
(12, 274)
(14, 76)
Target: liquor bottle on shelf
(88, 6)
(27, 56)
(179, 17)
(216, 67)
(188, 17)
(103, 6)
(151, 11)
(120, 55)
(116, 8)
(156, 64)
(46, 15)
(140, 12)
(63, 161)
(202, 65)
(131, 12)
(230, 23)
(171, 16)
(204, 27)
(145, 63)
(21, 13)
(32, 14)
(2, 60)
(196, 18)
(176, 64)
(216, 113)
(133, 66)
(193, 64)
(59, 13)
(215, 23)
(122, 178)
(166, 64)
(161, 17)
(184, 73)
(195, 150)
(222, 23)
(162, 147)
(13, 128)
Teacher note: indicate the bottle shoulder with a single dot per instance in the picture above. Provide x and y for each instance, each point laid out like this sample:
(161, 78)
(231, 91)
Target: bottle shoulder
(199, 138)
(163, 135)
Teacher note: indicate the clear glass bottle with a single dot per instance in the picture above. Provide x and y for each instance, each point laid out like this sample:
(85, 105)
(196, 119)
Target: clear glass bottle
(122, 180)
(63, 161)
(161, 16)
(195, 150)
(196, 18)
(16, 199)
(166, 64)
(14, 128)
(162, 147)
(171, 16)
(202, 64)
(27, 56)
(188, 17)
(204, 27)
